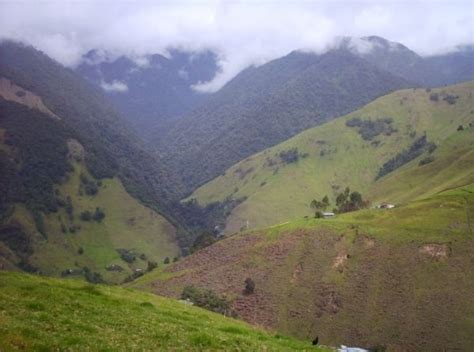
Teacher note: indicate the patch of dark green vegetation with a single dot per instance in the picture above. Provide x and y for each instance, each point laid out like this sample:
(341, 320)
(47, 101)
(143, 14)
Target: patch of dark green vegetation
(98, 215)
(291, 155)
(203, 240)
(39, 161)
(418, 147)
(350, 201)
(368, 129)
(207, 299)
(88, 186)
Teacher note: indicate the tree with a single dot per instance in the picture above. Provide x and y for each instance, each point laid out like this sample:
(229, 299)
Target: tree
(166, 261)
(249, 286)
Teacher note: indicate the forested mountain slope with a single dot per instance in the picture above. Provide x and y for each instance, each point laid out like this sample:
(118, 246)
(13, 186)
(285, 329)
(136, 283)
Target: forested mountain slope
(78, 194)
(265, 105)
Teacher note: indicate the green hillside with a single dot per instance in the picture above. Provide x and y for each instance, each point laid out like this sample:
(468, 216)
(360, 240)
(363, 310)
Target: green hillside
(74, 243)
(333, 156)
(398, 277)
(40, 314)
(56, 217)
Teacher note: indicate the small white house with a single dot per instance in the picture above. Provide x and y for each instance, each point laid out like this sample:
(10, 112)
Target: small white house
(328, 214)
(386, 206)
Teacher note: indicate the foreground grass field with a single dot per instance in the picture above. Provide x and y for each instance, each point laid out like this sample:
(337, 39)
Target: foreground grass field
(45, 314)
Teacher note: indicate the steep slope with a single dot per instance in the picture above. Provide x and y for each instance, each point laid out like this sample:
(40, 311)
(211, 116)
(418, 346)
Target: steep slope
(265, 105)
(86, 317)
(338, 154)
(47, 192)
(78, 195)
(398, 278)
(153, 93)
(430, 71)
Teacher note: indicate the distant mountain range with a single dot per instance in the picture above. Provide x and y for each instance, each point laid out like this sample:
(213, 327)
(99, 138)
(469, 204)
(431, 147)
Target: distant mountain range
(153, 93)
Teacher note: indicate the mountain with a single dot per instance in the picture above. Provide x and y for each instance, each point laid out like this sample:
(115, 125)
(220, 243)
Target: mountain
(79, 194)
(154, 92)
(393, 278)
(279, 183)
(265, 105)
(67, 314)
(430, 71)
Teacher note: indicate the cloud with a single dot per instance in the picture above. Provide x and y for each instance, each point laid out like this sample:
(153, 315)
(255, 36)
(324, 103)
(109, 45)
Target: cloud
(115, 86)
(242, 33)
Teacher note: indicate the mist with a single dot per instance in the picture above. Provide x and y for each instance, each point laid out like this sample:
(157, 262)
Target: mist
(242, 33)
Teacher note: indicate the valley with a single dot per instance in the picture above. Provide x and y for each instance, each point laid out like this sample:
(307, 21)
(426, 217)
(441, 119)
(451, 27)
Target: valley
(206, 195)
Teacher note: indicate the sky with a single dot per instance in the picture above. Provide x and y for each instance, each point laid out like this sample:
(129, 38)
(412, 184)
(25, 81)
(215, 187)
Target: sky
(242, 33)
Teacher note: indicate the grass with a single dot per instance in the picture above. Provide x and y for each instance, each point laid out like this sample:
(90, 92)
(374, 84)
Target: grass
(127, 224)
(44, 314)
(351, 279)
(339, 157)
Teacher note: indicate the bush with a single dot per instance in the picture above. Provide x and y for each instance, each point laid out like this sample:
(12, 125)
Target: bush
(426, 160)
(86, 215)
(99, 215)
(166, 261)
(289, 156)
(207, 299)
(249, 286)
(126, 255)
(151, 266)
(434, 96)
(92, 277)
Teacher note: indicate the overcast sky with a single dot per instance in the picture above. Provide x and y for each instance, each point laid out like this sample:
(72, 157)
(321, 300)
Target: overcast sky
(241, 32)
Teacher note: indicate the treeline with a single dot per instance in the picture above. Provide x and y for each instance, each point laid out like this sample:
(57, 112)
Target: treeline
(418, 147)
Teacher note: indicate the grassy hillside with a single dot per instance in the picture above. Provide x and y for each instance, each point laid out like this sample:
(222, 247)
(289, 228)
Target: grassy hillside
(334, 155)
(38, 313)
(127, 225)
(398, 277)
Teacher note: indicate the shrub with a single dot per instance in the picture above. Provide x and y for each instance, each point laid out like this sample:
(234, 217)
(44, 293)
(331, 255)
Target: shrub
(151, 266)
(207, 299)
(249, 286)
(86, 215)
(126, 255)
(426, 160)
(289, 156)
(434, 96)
(460, 128)
(166, 261)
(98, 215)
(92, 277)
